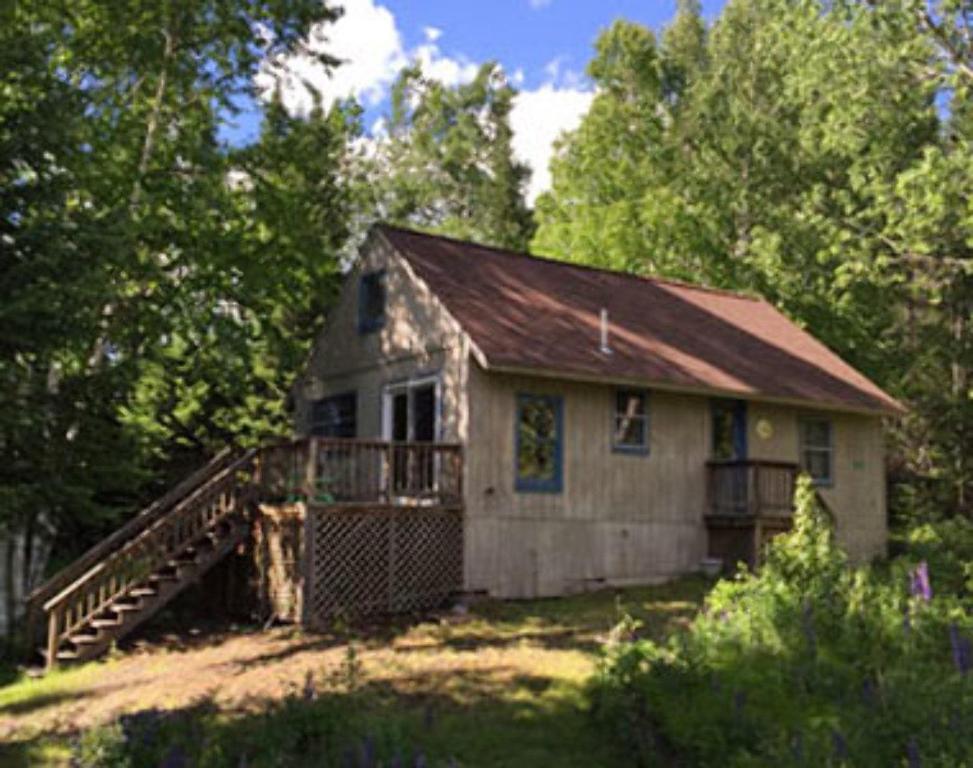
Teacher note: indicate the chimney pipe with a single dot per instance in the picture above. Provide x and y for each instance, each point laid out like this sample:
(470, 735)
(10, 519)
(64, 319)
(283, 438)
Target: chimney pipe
(605, 349)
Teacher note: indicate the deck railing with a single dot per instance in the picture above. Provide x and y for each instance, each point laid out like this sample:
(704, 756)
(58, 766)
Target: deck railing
(348, 471)
(751, 488)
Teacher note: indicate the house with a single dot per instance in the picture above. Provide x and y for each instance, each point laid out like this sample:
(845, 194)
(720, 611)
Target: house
(480, 420)
(616, 429)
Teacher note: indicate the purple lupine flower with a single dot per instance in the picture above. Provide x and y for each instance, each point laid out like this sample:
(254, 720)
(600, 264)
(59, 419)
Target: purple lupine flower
(739, 702)
(962, 650)
(869, 692)
(175, 758)
(920, 586)
(912, 753)
(368, 753)
(839, 745)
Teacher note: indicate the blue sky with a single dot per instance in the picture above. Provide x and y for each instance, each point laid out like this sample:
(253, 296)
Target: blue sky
(543, 45)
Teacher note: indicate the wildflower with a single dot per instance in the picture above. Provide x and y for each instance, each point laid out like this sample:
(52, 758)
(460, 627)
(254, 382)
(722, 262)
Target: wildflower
(912, 753)
(869, 691)
(839, 745)
(920, 586)
(175, 758)
(368, 752)
(739, 702)
(962, 650)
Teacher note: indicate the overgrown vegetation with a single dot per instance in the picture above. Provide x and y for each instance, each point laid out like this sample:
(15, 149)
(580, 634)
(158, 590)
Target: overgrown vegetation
(809, 662)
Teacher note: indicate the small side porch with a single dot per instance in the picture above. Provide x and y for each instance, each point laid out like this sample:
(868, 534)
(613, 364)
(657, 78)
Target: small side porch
(748, 503)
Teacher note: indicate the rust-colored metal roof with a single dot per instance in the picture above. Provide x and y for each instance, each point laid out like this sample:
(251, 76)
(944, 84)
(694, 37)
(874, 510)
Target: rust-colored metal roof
(535, 315)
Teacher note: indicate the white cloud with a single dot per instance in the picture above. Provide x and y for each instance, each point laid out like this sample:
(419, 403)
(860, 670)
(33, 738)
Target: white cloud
(367, 40)
(537, 4)
(538, 117)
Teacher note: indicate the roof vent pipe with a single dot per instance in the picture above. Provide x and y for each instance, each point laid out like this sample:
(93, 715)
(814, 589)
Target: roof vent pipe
(605, 349)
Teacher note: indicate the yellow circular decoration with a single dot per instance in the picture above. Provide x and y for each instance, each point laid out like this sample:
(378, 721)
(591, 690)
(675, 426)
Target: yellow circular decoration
(765, 430)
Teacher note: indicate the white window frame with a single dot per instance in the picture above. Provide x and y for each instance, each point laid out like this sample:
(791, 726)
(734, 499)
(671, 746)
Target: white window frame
(828, 450)
(393, 388)
(645, 417)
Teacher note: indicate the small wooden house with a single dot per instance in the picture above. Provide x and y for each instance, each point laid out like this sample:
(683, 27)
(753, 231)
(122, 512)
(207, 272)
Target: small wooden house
(616, 429)
(477, 420)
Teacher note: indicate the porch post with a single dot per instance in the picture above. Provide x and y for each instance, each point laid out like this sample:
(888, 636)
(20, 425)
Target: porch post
(311, 469)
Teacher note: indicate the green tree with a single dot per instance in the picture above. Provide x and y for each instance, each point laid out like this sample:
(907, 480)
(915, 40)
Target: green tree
(447, 163)
(114, 236)
(814, 152)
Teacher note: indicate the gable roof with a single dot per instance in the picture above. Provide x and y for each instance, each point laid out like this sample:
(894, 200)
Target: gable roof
(534, 315)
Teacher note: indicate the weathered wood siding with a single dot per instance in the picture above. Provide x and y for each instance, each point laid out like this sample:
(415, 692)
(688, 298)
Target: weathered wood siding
(624, 518)
(857, 495)
(620, 518)
(418, 339)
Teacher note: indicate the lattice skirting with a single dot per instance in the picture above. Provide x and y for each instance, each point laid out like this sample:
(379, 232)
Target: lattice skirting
(381, 560)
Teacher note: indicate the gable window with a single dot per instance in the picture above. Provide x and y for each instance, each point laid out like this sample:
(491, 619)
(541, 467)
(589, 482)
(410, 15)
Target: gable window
(539, 443)
(817, 450)
(335, 416)
(630, 433)
(371, 302)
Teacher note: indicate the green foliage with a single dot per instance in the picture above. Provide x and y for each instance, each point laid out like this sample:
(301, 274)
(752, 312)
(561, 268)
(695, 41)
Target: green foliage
(151, 310)
(300, 730)
(447, 163)
(801, 150)
(807, 662)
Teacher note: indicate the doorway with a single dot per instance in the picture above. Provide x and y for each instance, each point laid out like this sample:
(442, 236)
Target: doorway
(411, 420)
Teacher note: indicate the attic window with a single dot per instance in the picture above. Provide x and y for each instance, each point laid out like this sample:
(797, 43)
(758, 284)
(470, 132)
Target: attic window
(371, 302)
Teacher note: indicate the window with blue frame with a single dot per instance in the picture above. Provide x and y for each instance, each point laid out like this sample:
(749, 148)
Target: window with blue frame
(371, 302)
(817, 450)
(630, 433)
(539, 443)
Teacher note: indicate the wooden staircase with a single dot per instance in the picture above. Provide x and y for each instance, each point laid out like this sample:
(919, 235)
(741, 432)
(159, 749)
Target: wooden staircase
(127, 578)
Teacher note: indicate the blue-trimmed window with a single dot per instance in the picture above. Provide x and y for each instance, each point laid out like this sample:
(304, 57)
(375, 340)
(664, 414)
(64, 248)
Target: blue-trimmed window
(630, 424)
(371, 301)
(539, 436)
(817, 450)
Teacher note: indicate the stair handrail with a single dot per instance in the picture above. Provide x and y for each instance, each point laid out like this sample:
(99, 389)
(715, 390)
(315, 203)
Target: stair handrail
(160, 523)
(87, 596)
(133, 527)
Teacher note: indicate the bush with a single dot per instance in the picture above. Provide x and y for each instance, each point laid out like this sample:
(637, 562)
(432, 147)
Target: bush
(301, 730)
(807, 663)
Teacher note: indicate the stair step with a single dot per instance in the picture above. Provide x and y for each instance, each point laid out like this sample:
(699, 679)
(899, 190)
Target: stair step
(84, 639)
(162, 576)
(143, 592)
(105, 623)
(125, 607)
(66, 655)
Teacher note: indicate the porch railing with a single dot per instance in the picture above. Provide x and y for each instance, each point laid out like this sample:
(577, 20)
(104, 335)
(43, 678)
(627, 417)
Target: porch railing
(751, 488)
(349, 470)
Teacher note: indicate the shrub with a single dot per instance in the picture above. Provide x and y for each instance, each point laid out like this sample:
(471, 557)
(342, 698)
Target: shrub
(806, 663)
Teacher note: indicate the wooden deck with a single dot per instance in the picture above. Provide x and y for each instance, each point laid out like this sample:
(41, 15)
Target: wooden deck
(749, 502)
(381, 533)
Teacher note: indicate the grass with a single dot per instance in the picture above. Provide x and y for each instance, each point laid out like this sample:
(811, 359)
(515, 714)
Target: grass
(501, 686)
